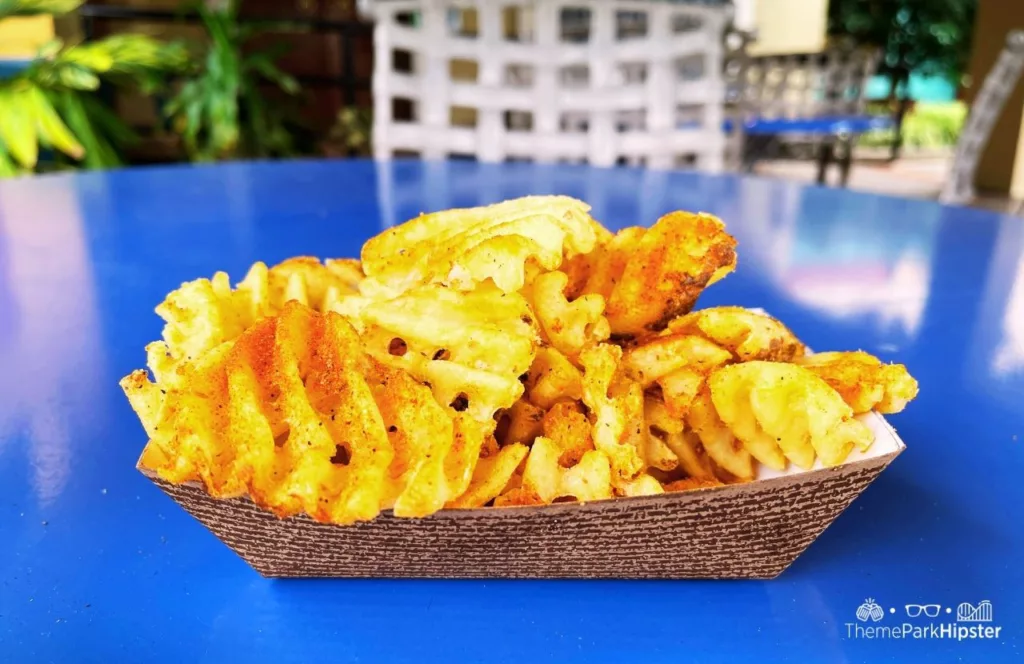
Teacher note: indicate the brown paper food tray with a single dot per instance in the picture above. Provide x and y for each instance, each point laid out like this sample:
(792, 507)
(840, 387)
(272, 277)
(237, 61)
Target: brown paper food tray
(754, 530)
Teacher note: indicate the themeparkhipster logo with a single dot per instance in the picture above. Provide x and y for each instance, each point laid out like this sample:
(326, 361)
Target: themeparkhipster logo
(924, 621)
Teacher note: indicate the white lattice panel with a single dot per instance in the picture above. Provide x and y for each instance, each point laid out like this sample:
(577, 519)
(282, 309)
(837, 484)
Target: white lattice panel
(601, 81)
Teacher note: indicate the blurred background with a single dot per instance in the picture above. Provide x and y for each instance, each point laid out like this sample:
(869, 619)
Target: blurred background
(870, 94)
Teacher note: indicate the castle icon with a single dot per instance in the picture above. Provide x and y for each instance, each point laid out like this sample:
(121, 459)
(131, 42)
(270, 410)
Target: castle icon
(980, 613)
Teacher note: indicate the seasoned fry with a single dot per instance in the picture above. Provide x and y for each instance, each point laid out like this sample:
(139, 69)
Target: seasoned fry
(567, 326)
(552, 378)
(783, 411)
(465, 247)
(748, 335)
(680, 358)
(524, 422)
(544, 480)
(664, 271)
(616, 430)
(207, 312)
(863, 381)
(717, 439)
(469, 347)
(567, 428)
(298, 416)
(491, 476)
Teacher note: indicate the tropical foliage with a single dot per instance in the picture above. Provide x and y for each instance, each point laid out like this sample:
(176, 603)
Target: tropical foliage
(222, 112)
(924, 36)
(52, 106)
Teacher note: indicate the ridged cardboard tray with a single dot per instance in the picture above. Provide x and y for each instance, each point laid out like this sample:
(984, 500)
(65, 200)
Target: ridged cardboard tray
(754, 530)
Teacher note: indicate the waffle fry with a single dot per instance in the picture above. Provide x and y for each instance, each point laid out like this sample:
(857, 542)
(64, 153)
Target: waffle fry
(675, 446)
(206, 312)
(748, 335)
(523, 422)
(567, 427)
(663, 271)
(465, 247)
(567, 326)
(863, 382)
(298, 416)
(679, 358)
(552, 378)
(469, 347)
(544, 480)
(717, 439)
(616, 406)
(783, 411)
(492, 475)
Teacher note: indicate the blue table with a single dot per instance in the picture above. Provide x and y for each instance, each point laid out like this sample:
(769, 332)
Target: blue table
(833, 138)
(98, 565)
(826, 125)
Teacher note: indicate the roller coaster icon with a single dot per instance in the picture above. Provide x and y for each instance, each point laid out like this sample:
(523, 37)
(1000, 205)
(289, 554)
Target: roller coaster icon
(968, 612)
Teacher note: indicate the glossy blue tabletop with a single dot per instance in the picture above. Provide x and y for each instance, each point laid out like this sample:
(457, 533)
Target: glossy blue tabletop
(827, 125)
(97, 565)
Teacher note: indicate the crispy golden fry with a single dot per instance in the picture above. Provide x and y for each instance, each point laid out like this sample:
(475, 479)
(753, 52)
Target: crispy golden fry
(605, 265)
(718, 441)
(469, 347)
(524, 422)
(693, 459)
(568, 326)
(661, 356)
(298, 416)
(544, 480)
(552, 378)
(783, 411)
(470, 437)
(464, 247)
(665, 271)
(266, 417)
(615, 410)
(577, 272)
(491, 476)
(680, 357)
(669, 446)
(657, 454)
(518, 496)
(863, 381)
(748, 335)
(642, 485)
(207, 312)
(421, 432)
(567, 427)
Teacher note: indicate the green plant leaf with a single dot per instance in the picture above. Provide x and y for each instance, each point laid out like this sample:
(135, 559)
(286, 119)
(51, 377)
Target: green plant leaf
(77, 78)
(220, 113)
(50, 49)
(97, 56)
(266, 68)
(51, 129)
(17, 126)
(98, 152)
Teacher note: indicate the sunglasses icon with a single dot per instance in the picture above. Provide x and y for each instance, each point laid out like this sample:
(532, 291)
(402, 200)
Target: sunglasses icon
(930, 610)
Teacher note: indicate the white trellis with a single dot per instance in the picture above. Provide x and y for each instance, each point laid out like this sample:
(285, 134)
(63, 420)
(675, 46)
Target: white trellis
(601, 81)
